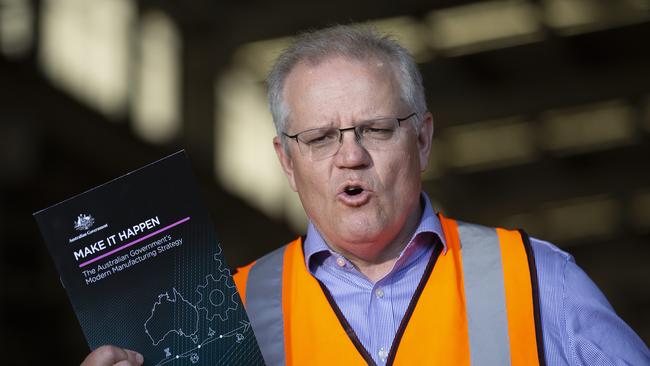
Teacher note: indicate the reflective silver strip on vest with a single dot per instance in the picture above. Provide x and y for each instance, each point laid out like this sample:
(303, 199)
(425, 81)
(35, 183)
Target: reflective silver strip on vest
(487, 319)
(264, 305)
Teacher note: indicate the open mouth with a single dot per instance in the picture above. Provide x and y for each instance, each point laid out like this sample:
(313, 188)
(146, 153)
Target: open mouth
(354, 193)
(353, 190)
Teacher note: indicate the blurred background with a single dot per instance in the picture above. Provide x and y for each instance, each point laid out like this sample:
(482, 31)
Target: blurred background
(541, 108)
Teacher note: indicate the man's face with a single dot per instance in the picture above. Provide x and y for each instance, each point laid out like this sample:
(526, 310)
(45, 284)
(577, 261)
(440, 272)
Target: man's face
(384, 207)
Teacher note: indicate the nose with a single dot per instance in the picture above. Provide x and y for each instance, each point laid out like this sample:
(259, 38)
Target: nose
(351, 154)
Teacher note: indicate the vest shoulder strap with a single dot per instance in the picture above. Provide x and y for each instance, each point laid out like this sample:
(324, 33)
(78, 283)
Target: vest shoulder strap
(484, 295)
(501, 296)
(264, 305)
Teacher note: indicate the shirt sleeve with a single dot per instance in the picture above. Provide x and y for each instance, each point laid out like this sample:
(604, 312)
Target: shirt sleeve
(579, 325)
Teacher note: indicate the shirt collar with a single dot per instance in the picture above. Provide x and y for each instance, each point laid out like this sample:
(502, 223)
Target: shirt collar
(316, 247)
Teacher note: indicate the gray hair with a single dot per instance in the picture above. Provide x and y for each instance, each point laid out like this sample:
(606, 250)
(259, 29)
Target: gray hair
(355, 42)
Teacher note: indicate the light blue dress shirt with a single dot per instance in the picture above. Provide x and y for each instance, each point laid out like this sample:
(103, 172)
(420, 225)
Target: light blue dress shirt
(579, 326)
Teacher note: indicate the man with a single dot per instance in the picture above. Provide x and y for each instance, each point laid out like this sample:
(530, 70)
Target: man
(380, 278)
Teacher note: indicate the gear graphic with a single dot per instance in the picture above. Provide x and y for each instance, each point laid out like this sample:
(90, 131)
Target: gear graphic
(213, 299)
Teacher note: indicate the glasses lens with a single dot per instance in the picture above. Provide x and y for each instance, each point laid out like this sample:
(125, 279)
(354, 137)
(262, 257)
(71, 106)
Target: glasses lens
(321, 142)
(378, 133)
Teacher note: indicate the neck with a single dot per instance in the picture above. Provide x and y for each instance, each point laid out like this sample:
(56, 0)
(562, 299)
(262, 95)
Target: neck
(375, 271)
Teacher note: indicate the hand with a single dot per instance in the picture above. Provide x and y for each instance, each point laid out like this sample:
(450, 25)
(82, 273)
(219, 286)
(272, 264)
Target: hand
(113, 356)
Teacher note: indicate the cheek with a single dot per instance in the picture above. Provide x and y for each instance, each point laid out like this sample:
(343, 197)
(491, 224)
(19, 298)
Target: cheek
(401, 170)
(401, 181)
(312, 183)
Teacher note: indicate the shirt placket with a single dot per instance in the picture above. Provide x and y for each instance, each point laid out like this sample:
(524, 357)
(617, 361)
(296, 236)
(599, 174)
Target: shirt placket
(380, 318)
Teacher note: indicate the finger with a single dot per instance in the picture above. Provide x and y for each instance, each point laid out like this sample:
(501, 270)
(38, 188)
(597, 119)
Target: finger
(105, 356)
(134, 357)
(126, 363)
(110, 355)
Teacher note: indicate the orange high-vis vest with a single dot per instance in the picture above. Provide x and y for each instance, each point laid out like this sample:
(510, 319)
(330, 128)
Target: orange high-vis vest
(476, 304)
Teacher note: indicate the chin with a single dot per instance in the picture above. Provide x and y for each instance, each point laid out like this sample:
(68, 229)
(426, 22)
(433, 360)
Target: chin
(360, 231)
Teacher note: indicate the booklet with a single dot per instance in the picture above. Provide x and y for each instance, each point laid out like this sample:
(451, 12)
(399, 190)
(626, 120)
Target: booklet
(143, 269)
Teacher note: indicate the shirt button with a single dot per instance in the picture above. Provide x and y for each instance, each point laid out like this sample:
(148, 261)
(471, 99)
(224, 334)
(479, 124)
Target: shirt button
(379, 293)
(340, 262)
(383, 354)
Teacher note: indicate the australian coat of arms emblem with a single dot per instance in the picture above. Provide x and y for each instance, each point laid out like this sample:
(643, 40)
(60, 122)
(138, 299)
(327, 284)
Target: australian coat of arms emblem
(84, 222)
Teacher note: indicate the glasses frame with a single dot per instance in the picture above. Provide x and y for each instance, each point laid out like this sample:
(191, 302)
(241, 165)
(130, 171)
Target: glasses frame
(356, 128)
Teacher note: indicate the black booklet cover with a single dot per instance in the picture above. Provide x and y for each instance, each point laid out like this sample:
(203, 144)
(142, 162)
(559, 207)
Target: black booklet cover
(143, 269)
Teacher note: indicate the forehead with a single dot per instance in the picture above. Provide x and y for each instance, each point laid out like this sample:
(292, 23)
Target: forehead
(340, 90)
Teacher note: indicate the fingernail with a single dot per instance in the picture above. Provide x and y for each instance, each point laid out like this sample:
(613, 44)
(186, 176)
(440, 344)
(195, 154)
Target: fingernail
(139, 358)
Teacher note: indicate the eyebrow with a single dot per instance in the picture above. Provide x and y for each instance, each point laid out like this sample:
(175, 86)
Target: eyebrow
(359, 121)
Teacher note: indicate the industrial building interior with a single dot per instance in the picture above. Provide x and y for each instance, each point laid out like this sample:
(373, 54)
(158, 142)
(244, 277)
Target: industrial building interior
(541, 109)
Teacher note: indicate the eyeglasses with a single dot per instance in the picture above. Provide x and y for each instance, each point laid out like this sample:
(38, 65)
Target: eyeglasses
(376, 134)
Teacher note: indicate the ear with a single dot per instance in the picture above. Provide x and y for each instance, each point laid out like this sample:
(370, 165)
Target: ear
(285, 161)
(424, 140)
